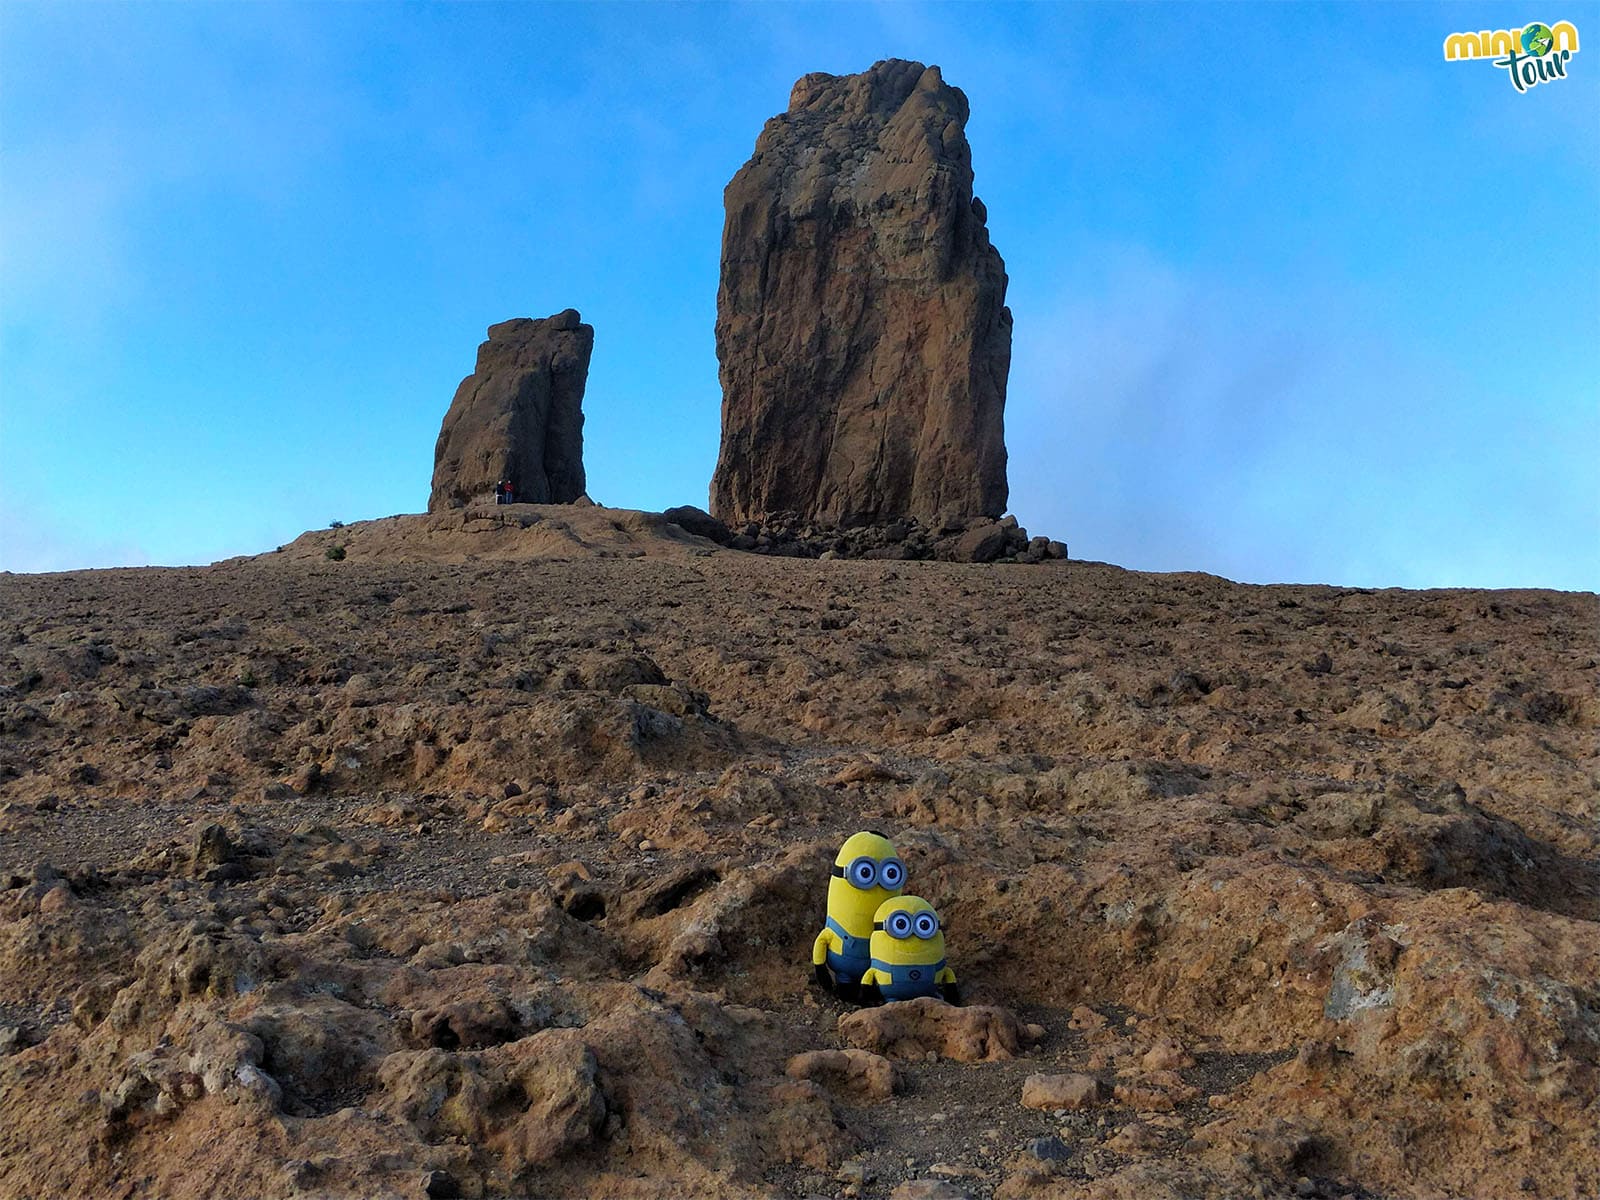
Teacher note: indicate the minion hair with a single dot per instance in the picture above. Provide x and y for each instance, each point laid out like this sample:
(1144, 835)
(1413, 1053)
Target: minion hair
(879, 833)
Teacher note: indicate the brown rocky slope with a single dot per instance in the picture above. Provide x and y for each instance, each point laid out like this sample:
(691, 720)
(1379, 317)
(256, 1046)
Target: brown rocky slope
(381, 878)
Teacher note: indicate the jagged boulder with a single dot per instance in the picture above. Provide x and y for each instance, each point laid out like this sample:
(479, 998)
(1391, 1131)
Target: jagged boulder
(862, 331)
(518, 417)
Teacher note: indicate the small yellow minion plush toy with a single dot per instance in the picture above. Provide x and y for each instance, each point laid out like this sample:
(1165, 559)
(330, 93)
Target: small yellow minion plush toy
(866, 872)
(907, 950)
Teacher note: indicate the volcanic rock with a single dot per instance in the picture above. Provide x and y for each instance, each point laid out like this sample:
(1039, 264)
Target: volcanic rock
(1061, 1091)
(698, 522)
(914, 1028)
(859, 1073)
(531, 1100)
(1380, 949)
(787, 535)
(983, 544)
(518, 417)
(862, 330)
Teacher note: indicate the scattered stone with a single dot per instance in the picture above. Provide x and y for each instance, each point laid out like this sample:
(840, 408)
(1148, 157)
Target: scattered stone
(787, 535)
(865, 771)
(983, 544)
(924, 1026)
(1087, 1019)
(929, 1189)
(1166, 1055)
(856, 1171)
(862, 1075)
(1157, 1092)
(212, 846)
(1069, 1092)
(1134, 1137)
(1049, 1149)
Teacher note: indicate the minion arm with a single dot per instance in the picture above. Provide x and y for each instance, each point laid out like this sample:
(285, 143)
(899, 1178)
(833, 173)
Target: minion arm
(826, 940)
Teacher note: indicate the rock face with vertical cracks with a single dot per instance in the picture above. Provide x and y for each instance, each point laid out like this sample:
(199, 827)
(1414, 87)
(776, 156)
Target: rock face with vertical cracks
(862, 330)
(518, 416)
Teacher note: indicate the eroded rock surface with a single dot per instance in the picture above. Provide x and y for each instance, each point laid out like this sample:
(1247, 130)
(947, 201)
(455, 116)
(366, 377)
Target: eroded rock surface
(857, 1073)
(518, 417)
(392, 877)
(916, 1028)
(862, 330)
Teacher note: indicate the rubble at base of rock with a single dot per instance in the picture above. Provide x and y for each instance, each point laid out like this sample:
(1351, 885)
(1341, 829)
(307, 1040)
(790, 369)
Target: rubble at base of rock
(981, 540)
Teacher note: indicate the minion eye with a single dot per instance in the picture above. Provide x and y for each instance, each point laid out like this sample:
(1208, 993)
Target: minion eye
(863, 873)
(927, 925)
(892, 872)
(899, 925)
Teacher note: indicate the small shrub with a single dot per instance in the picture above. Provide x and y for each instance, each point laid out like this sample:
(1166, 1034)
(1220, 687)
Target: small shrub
(335, 524)
(336, 553)
(248, 678)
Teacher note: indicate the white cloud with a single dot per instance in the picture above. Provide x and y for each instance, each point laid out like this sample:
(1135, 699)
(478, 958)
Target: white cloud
(1166, 421)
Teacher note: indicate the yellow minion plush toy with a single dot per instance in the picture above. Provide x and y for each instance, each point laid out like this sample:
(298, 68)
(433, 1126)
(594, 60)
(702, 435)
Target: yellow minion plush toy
(907, 951)
(866, 872)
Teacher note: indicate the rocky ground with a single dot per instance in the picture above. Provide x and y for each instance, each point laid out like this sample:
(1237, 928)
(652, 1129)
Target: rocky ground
(486, 860)
(979, 540)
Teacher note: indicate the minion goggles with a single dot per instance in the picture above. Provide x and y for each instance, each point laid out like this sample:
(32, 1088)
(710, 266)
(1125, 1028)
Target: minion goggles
(864, 872)
(903, 925)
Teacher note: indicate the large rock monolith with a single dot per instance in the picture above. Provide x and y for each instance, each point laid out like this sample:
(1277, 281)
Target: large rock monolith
(862, 330)
(518, 416)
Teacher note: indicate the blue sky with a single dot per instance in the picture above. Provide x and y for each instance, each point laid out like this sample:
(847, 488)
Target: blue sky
(1295, 299)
